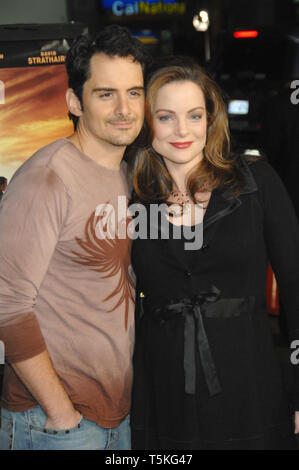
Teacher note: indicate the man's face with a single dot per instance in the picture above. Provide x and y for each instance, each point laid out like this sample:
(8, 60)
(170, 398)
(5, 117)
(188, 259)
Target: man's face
(3, 186)
(113, 100)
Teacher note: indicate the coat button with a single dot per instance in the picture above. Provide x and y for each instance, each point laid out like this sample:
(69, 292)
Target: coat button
(188, 275)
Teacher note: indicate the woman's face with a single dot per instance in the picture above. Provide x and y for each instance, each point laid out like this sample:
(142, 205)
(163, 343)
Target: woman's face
(180, 124)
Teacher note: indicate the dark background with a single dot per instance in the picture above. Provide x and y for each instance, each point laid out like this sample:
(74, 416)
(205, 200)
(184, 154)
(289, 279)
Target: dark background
(254, 70)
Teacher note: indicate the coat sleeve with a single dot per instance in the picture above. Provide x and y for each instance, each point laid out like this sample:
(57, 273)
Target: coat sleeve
(281, 232)
(31, 216)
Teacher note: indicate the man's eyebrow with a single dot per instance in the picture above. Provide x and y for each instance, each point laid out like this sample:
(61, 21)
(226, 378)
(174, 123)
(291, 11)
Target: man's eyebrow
(137, 88)
(103, 89)
(95, 90)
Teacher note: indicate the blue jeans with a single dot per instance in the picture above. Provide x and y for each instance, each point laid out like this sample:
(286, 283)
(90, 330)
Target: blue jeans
(26, 431)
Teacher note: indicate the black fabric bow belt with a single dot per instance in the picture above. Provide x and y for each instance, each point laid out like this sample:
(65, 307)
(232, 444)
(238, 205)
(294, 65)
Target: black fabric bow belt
(193, 326)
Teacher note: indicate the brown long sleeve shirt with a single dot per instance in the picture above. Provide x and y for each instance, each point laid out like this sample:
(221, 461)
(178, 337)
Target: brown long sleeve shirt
(63, 286)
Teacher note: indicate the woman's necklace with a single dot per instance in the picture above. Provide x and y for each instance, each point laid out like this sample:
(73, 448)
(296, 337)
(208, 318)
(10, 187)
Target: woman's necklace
(181, 198)
(184, 200)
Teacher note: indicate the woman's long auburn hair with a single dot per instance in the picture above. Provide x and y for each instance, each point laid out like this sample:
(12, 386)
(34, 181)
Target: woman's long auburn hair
(147, 171)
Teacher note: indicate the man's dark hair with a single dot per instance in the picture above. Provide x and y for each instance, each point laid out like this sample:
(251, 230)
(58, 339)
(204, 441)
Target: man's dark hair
(113, 41)
(3, 180)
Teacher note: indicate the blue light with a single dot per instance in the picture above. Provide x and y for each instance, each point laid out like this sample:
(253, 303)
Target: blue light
(107, 4)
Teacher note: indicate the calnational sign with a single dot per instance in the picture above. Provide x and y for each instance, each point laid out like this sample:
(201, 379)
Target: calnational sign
(151, 7)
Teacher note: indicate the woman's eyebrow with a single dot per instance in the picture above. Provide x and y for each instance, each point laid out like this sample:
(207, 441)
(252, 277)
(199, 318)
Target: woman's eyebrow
(197, 107)
(173, 112)
(164, 110)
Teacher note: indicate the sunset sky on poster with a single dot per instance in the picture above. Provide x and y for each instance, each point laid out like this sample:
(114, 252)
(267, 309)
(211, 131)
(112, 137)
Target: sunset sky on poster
(34, 113)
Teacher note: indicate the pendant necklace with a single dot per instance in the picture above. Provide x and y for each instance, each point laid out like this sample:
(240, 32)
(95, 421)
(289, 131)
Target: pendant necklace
(184, 200)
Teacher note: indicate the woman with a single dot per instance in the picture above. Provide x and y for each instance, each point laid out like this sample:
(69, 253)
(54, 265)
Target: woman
(206, 373)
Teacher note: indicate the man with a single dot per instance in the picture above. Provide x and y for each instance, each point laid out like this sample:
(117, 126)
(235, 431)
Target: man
(3, 185)
(66, 308)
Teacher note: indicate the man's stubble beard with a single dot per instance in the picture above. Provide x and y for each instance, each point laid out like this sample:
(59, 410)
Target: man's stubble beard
(124, 138)
(121, 141)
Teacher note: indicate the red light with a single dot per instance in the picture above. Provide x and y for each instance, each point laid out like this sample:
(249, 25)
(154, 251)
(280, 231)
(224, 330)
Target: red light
(245, 34)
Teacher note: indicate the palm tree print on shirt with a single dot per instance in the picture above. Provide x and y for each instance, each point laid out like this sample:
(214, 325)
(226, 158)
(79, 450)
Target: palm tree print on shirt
(108, 256)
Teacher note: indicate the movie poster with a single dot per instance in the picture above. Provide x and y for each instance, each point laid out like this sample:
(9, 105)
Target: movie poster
(33, 110)
(32, 114)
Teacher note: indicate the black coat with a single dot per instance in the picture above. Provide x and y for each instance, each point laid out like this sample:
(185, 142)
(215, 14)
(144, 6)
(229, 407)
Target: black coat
(280, 141)
(211, 315)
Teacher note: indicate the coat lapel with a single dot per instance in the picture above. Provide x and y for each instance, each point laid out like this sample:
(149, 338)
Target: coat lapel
(219, 207)
(222, 202)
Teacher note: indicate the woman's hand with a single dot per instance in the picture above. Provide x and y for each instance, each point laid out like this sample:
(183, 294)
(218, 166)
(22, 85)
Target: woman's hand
(296, 421)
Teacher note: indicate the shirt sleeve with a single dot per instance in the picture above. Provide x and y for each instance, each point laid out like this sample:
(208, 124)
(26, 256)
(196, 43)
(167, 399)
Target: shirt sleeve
(282, 240)
(32, 213)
